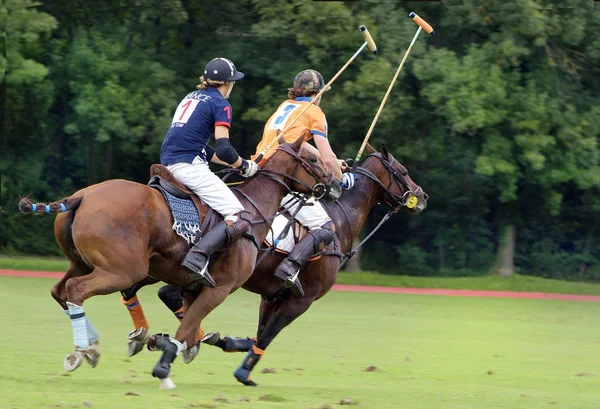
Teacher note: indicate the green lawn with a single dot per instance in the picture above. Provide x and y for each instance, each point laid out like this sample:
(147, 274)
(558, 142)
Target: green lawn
(515, 283)
(429, 352)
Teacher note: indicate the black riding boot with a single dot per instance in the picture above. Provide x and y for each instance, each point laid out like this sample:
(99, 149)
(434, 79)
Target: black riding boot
(224, 233)
(314, 241)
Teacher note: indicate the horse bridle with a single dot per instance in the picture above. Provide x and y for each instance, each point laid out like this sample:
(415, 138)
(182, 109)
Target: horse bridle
(322, 178)
(408, 199)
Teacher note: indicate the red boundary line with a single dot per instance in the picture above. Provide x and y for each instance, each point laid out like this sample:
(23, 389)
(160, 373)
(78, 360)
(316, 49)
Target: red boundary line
(377, 289)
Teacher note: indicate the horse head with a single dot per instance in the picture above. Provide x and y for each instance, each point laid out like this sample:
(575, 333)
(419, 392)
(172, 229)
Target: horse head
(306, 173)
(399, 190)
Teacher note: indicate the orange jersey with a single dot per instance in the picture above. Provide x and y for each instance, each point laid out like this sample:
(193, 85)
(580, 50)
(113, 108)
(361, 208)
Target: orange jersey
(312, 120)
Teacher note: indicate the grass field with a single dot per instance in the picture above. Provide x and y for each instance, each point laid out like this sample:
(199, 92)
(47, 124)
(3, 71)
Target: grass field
(494, 283)
(429, 352)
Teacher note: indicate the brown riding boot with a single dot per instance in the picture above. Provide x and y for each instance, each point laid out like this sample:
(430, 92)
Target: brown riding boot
(314, 241)
(224, 233)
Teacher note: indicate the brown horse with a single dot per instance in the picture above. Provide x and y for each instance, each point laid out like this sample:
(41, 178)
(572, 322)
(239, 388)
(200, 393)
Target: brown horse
(382, 180)
(119, 232)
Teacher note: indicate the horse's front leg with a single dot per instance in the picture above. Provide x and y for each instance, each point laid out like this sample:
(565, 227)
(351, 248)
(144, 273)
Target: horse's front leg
(244, 344)
(187, 334)
(280, 314)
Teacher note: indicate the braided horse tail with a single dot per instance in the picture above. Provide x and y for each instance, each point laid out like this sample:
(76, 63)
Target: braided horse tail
(69, 203)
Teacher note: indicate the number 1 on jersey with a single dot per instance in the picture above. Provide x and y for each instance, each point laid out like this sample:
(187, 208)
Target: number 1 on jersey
(185, 110)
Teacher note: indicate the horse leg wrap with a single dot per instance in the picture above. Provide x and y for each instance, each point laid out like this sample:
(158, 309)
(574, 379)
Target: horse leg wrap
(79, 325)
(135, 310)
(238, 344)
(242, 374)
(314, 241)
(171, 348)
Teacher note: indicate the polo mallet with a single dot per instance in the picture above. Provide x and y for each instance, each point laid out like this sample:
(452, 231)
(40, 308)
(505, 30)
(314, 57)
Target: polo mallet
(422, 25)
(368, 42)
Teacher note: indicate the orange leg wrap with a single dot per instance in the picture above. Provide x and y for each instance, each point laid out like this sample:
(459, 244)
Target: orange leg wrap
(179, 315)
(136, 312)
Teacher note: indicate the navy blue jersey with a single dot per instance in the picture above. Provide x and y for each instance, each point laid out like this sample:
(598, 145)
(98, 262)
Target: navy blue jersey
(193, 124)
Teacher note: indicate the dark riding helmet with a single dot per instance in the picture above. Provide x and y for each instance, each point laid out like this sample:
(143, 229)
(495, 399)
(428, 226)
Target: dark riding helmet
(308, 81)
(222, 69)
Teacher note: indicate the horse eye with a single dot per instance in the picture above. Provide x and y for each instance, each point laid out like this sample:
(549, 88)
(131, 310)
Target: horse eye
(313, 159)
(405, 173)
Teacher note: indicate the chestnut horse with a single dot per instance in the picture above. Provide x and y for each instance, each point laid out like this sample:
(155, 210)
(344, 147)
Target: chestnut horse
(382, 180)
(117, 233)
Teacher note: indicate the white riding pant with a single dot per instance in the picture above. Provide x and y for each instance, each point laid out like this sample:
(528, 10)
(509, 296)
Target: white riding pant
(198, 177)
(311, 217)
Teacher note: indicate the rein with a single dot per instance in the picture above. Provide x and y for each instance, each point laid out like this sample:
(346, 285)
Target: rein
(321, 182)
(394, 204)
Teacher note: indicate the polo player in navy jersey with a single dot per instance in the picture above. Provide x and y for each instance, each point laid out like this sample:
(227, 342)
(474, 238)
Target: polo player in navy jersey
(185, 152)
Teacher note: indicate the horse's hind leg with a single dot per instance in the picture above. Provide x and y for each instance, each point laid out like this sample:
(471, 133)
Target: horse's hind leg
(139, 336)
(277, 316)
(79, 289)
(59, 293)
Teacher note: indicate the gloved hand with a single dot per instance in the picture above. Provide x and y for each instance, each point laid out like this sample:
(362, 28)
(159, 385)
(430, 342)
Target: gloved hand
(343, 164)
(248, 168)
(348, 180)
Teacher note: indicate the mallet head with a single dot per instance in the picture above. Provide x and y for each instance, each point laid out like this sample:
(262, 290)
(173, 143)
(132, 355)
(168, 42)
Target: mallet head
(421, 22)
(370, 42)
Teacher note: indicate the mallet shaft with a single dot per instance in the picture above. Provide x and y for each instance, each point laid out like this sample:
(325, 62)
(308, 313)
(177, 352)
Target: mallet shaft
(368, 41)
(422, 25)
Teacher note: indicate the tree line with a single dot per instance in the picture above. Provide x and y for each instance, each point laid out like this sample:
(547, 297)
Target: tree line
(497, 117)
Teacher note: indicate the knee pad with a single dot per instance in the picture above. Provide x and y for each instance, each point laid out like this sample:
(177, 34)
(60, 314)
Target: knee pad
(171, 296)
(325, 234)
(236, 229)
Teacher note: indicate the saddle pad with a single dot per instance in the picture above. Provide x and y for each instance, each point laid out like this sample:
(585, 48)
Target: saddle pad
(287, 242)
(185, 214)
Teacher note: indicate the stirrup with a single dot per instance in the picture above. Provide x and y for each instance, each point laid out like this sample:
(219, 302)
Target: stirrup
(202, 276)
(293, 283)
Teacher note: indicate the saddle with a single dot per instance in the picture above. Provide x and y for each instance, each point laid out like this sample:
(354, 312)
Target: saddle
(163, 180)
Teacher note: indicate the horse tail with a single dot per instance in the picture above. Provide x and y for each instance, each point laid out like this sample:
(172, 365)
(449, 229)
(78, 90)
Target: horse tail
(64, 205)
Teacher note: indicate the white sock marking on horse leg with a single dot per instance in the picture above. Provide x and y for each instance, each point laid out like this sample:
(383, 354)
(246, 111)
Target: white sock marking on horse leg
(78, 322)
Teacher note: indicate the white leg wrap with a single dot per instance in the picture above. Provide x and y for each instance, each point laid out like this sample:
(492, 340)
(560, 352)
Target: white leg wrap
(78, 322)
(92, 332)
(180, 347)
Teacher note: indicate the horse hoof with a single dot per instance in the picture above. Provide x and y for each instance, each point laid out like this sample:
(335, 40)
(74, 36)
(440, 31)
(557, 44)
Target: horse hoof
(140, 335)
(133, 347)
(92, 355)
(166, 383)
(243, 376)
(188, 355)
(161, 371)
(211, 338)
(73, 361)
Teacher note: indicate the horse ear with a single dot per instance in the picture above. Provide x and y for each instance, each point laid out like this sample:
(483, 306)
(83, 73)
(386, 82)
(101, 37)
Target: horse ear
(280, 139)
(384, 152)
(370, 149)
(298, 142)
